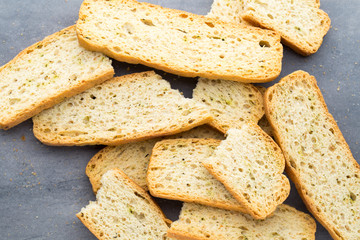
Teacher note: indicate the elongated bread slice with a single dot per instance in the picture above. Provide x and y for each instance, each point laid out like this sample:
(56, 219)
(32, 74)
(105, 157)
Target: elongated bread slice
(318, 159)
(123, 210)
(130, 108)
(231, 103)
(133, 158)
(301, 25)
(198, 222)
(179, 42)
(175, 172)
(45, 73)
(250, 165)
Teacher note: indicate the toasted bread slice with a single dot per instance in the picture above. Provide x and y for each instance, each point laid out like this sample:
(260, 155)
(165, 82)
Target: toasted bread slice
(123, 210)
(45, 73)
(302, 25)
(125, 109)
(133, 158)
(175, 172)
(179, 42)
(231, 103)
(250, 165)
(198, 222)
(318, 159)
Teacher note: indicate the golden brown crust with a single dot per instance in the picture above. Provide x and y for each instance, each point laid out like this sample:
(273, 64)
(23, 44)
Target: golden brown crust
(60, 96)
(93, 46)
(180, 197)
(292, 173)
(182, 235)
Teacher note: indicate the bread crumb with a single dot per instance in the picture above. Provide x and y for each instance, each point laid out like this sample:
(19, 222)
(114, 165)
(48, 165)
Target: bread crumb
(33, 173)
(338, 88)
(23, 138)
(10, 179)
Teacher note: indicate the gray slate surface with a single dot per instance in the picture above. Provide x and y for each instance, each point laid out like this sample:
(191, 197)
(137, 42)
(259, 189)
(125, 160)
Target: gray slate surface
(41, 187)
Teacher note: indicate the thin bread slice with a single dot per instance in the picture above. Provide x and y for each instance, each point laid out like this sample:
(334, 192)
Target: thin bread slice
(198, 222)
(179, 42)
(302, 26)
(250, 165)
(318, 159)
(45, 73)
(133, 158)
(123, 210)
(125, 109)
(175, 172)
(231, 103)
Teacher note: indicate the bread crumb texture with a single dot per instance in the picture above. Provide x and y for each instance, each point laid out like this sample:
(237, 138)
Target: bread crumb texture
(301, 24)
(123, 211)
(179, 42)
(203, 222)
(46, 72)
(231, 103)
(176, 172)
(318, 158)
(250, 165)
(128, 108)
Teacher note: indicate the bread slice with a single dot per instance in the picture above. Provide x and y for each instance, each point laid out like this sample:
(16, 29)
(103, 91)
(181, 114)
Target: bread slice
(133, 158)
(198, 222)
(179, 42)
(250, 165)
(47, 72)
(301, 25)
(318, 159)
(125, 109)
(123, 210)
(231, 103)
(175, 172)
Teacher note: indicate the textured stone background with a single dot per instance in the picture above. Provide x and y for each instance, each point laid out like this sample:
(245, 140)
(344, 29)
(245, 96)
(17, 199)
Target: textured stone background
(41, 187)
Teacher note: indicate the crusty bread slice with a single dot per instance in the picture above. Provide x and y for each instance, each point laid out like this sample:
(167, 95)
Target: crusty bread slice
(45, 73)
(318, 159)
(175, 172)
(130, 108)
(263, 122)
(133, 158)
(231, 103)
(123, 210)
(250, 165)
(301, 25)
(198, 222)
(179, 42)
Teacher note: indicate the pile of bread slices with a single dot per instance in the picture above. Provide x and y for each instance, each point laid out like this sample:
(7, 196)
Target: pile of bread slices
(208, 151)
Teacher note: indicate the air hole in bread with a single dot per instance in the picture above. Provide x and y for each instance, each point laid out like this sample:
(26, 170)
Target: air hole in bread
(264, 43)
(210, 24)
(270, 16)
(147, 22)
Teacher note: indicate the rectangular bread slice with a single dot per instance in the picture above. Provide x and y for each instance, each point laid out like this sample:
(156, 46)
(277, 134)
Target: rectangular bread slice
(301, 25)
(318, 159)
(231, 103)
(179, 42)
(123, 210)
(198, 222)
(250, 165)
(175, 172)
(125, 109)
(45, 73)
(133, 158)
